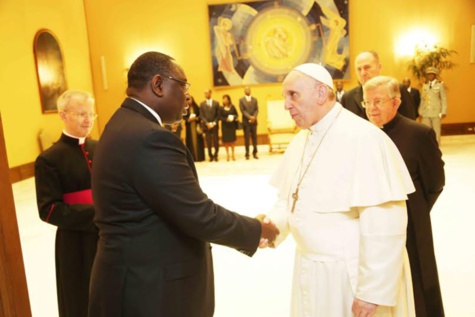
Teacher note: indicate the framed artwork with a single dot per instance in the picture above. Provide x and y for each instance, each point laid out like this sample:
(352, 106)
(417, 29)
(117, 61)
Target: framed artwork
(261, 41)
(49, 69)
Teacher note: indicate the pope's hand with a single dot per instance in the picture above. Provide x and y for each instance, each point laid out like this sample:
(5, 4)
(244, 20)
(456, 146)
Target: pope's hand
(363, 309)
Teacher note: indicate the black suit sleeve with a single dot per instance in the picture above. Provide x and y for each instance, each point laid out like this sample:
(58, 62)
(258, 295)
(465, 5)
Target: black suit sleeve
(407, 107)
(431, 167)
(169, 187)
(344, 100)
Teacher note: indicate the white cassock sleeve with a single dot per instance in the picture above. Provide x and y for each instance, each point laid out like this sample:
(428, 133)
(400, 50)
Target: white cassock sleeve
(381, 255)
(279, 216)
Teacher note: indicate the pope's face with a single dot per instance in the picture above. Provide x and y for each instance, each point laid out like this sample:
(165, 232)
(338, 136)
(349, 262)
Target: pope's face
(300, 93)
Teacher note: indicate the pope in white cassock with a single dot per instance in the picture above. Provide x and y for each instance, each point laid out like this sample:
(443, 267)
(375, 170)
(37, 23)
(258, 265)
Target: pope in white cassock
(342, 186)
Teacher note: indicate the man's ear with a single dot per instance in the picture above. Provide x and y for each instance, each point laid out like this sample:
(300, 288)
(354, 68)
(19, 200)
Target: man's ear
(397, 103)
(62, 115)
(157, 85)
(322, 94)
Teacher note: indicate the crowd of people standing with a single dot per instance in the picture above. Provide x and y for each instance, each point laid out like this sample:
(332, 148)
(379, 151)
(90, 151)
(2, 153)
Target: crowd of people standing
(204, 124)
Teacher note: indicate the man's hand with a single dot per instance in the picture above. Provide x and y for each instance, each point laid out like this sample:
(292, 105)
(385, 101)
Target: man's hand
(269, 232)
(363, 309)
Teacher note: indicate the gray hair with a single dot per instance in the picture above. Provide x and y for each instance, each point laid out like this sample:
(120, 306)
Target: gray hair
(390, 83)
(66, 97)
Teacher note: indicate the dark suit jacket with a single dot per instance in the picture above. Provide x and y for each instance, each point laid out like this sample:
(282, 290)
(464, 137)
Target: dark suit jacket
(352, 101)
(419, 149)
(416, 96)
(155, 223)
(248, 109)
(209, 114)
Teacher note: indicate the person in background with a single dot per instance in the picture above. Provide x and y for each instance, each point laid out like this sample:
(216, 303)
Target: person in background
(434, 102)
(175, 128)
(367, 66)
(342, 186)
(63, 194)
(414, 92)
(339, 91)
(209, 114)
(419, 149)
(229, 121)
(249, 108)
(194, 131)
(155, 222)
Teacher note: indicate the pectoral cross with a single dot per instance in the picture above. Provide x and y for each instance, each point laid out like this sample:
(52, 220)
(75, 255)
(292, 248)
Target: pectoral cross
(295, 197)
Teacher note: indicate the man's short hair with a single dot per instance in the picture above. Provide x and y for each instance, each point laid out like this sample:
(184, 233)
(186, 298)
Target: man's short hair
(65, 99)
(372, 53)
(148, 65)
(390, 83)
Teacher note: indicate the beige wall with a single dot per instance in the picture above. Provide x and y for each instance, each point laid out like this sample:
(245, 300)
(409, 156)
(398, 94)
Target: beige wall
(120, 31)
(21, 106)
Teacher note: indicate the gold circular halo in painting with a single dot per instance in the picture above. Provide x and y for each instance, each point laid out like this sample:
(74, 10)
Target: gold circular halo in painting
(278, 39)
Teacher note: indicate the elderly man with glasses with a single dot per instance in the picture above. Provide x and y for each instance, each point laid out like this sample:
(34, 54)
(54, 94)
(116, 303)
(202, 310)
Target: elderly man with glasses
(63, 191)
(418, 147)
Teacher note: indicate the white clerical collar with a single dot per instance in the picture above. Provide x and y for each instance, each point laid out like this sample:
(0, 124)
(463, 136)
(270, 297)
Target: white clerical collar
(150, 110)
(80, 140)
(248, 98)
(327, 120)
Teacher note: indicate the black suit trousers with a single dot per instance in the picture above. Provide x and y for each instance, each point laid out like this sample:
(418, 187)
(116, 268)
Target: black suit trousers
(212, 140)
(250, 132)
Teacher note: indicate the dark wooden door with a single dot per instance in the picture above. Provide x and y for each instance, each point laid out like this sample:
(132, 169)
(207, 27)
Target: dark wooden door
(14, 301)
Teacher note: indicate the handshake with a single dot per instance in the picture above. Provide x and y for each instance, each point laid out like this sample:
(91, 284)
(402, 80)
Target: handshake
(268, 233)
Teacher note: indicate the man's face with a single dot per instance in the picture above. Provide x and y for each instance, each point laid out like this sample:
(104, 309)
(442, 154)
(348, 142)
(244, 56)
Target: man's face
(300, 95)
(406, 83)
(78, 117)
(381, 108)
(339, 86)
(208, 94)
(367, 67)
(431, 76)
(247, 91)
(175, 97)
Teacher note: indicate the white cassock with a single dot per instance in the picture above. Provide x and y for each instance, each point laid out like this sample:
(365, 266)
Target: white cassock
(349, 221)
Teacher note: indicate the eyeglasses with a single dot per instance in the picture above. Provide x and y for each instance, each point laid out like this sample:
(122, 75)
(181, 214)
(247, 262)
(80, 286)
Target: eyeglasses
(377, 103)
(184, 83)
(83, 115)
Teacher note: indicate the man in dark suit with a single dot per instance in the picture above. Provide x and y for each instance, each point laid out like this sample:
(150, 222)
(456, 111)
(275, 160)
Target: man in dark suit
(414, 92)
(419, 148)
(249, 109)
(367, 66)
(339, 91)
(155, 222)
(209, 110)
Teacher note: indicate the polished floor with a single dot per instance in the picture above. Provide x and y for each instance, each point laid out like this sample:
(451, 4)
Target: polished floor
(260, 286)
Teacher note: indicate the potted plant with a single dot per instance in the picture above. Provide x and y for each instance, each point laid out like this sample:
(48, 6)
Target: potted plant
(424, 57)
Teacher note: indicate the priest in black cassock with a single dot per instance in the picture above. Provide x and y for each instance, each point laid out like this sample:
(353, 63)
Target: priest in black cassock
(63, 192)
(419, 149)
